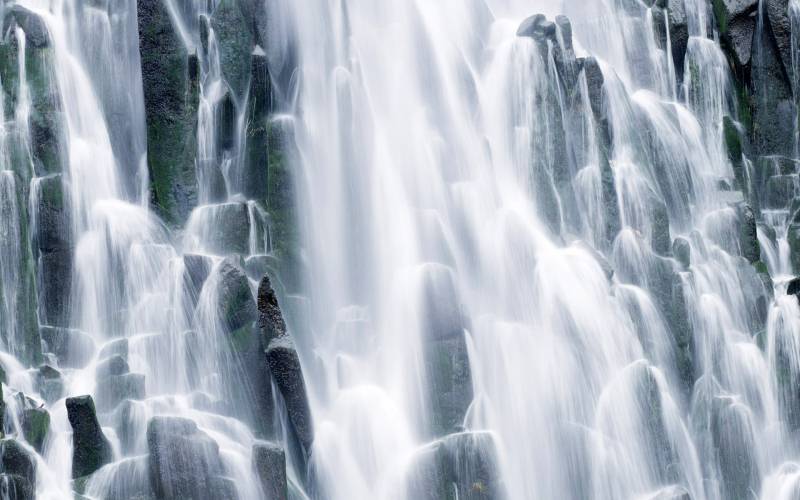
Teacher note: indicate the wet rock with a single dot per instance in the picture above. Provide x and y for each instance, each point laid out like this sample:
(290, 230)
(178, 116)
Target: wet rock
(118, 346)
(269, 463)
(184, 461)
(197, 268)
(777, 12)
(441, 312)
(235, 42)
(537, 27)
(15, 487)
(270, 317)
(284, 365)
(236, 305)
(226, 123)
(748, 235)
(257, 266)
(780, 191)
(90, 448)
(660, 239)
(54, 291)
(52, 215)
(462, 465)
(794, 288)
(736, 23)
(223, 229)
(109, 367)
(678, 34)
(71, 348)
(682, 251)
(18, 465)
(36, 33)
(239, 314)
(50, 383)
(282, 153)
(34, 420)
(113, 389)
(169, 81)
(733, 439)
(259, 105)
(595, 83)
(793, 239)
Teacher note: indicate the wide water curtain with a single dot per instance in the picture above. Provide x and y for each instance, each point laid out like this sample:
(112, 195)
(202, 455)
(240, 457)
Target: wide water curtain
(400, 249)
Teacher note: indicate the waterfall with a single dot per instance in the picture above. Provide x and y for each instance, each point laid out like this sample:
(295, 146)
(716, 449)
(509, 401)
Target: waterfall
(348, 249)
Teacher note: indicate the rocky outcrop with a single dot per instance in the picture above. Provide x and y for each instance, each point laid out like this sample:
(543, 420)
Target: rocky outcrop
(90, 447)
(170, 83)
(18, 470)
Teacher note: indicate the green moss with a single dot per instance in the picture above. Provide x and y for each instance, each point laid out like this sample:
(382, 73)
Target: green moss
(760, 267)
(721, 15)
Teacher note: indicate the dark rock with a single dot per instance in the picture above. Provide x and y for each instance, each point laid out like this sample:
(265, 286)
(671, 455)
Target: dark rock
(52, 214)
(793, 239)
(34, 420)
(678, 34)
(54, 291)
(226, 123)
(259, 105)
(236, 304)
(90, 448)
(184, 461)
(169, 81)
(537, 27)
(113, 389)
(17, 461)
(269, 463)
(270, 317)
(115, 365)
(794, 288)
(595, 82)
(15, 487)
(71, 348)
(777, 12)
(239, 314)
(284, 364)
(36, 33)
(660, 239)
(682, 251)
(235, 42)
(748, 239)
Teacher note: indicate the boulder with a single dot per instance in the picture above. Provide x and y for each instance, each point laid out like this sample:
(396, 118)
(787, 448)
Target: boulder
(284, 365)
(54, 299)
(793, 288)
(236, 305)
(196, 271)
(269, 463)
(71, 348)
(184, 461)
(90, 447)
(52, 214)
(170, 85)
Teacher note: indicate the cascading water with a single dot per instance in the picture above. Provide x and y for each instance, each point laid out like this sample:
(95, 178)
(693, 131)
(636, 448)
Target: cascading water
(537, 249)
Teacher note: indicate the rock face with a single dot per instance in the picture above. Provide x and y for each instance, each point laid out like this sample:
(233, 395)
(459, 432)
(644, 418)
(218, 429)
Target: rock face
(90, 447)
(269, 463)
(169, 80)
(184, 461)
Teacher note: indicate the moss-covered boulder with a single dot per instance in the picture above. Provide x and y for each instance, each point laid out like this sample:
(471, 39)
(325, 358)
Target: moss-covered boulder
(170, 84)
